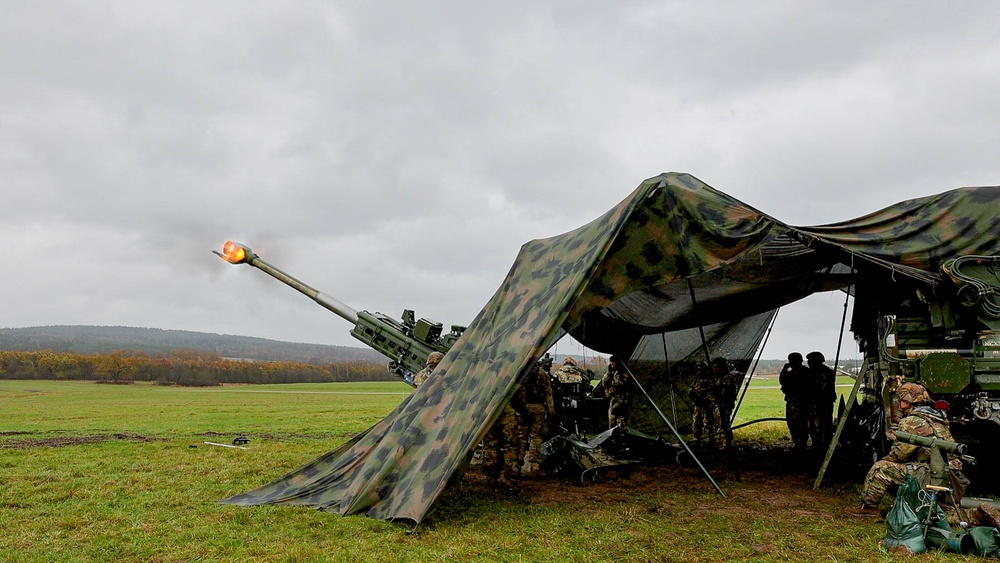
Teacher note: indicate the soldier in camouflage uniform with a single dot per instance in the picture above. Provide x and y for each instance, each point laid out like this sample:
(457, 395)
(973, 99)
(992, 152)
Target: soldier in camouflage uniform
(705, 418)
(727, 387)
(433, 359)
(922, 419)
(502, 451)
(569, 372)
(538, 407)
(823, 381)
(794, 380)
(618, 385)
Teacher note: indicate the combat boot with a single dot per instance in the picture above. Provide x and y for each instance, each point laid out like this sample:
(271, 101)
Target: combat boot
(864, 511)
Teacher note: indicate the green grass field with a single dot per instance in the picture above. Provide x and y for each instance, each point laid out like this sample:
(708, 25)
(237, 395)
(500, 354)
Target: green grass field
(94, 472)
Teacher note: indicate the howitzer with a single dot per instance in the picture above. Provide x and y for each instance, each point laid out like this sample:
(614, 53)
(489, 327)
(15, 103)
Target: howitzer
(407, 344)
(937, 446)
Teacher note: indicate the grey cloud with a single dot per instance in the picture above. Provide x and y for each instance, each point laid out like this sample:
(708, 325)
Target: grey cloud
(398, 154)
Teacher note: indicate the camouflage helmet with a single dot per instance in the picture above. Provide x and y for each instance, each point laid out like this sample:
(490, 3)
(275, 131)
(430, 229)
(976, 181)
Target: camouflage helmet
(913, 393)
(434, 358)
(569, 361)
(815, 357)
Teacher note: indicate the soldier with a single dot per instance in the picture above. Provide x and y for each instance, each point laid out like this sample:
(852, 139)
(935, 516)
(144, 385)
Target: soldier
(433, 359)
(569, 372)
(705, 417)
(794, 385)
(920, 418)
(502, 448)
(618, 385)
(546, 363)
(823, 381)
(538, 406)
(727, 387)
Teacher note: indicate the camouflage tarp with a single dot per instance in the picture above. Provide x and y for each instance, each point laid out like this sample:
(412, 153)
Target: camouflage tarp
(674, 255)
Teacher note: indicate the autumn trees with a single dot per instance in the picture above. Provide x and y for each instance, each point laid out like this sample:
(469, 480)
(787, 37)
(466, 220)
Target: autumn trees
(179, 368)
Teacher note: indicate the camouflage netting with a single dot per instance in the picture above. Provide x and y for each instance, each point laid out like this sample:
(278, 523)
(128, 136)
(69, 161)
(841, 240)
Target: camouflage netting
(674, 256)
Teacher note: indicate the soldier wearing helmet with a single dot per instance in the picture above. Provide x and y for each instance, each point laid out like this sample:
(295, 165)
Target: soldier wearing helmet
(433, 359)
(794, 380)
(920, 418)
(727, 383)
(617, 385)
(539, 405)
(569, 372)
(705, 415)
(822, 382)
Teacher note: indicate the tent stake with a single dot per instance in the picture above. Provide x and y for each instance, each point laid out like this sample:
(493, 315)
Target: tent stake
(674, 430)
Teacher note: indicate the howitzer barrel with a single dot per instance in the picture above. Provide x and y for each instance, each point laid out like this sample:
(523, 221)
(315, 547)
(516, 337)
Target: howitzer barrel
(236, 253)
(932, 442)
(407, 344)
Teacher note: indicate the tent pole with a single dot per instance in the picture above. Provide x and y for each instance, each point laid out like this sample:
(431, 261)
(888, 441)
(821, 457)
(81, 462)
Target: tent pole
(701, 330)
(674, 430)
(670, 380)
(832, 446)
(841, 423)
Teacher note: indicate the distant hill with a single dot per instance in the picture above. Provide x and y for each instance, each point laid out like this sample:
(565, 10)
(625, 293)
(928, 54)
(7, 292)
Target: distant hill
(105, 339)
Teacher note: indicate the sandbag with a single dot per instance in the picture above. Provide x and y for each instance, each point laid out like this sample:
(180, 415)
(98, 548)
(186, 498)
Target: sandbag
(903, 529)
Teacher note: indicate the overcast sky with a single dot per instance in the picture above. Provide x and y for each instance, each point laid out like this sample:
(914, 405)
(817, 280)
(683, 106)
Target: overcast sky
(398, 154)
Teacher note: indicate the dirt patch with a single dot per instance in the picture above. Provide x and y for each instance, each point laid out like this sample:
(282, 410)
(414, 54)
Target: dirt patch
(60, 441)
(767, 480)
(283, 436)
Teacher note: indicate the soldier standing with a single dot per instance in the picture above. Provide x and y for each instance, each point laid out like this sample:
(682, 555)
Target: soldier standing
(794, 384)
(502, 453)
(824, 384)
(705, 417)
(727, 387)
(920, 418)
(433, 359)
(538, 406)
(618, 385)
(546, 363)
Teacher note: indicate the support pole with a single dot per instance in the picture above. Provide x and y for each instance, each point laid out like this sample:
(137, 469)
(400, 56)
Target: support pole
(701, 330)
(841, 423)
(670, 379)
(674, 430)
(832, 446)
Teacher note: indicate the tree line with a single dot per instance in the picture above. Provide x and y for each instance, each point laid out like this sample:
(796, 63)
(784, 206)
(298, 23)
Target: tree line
(179, 367)
(107, 339)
